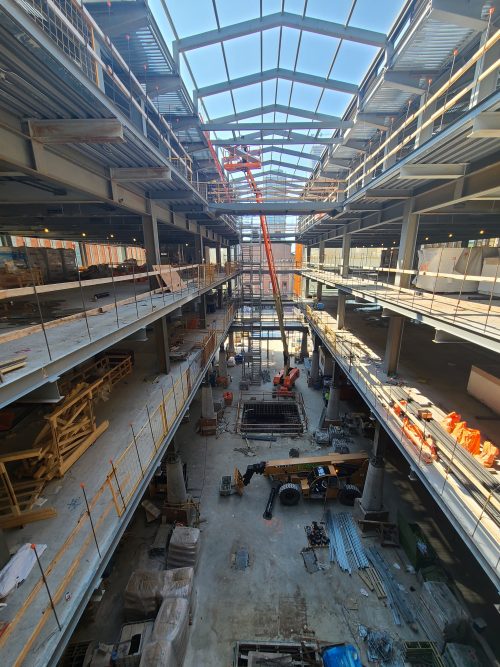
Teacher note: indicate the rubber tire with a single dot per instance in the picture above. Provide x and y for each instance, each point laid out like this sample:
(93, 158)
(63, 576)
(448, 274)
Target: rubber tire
(289, 494)
(348, 494)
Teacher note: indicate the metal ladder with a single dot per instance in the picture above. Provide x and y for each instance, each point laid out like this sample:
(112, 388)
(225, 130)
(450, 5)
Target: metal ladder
(251, 256)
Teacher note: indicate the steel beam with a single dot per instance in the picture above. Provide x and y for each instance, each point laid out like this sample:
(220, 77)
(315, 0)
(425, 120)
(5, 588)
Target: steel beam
(378, 120)
(272, 208)
(277, 108)
(400, 81)
(486, 126)
(289, 165)
(280, 20)
(289, 151)
(213, 126)
(140, 174)
(79, 131)
(461, 13)
(294, 138)
(433, 172)
(160, 84)
(279, 73)
(386, 193)
(168, 195)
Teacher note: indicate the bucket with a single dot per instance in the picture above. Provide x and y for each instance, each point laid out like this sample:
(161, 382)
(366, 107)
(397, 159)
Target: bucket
(228, 397)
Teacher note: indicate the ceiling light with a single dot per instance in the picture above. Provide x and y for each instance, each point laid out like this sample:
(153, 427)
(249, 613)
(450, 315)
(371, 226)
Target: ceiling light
(47, 231)
(426, 238)
(83, 234)
(450, 235)
(481, 231)
(134, 240)
(112, 236)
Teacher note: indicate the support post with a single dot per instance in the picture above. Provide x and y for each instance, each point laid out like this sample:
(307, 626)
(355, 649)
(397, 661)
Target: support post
(407, 244)
(220, 298)
(207, 402)
(315, 367)
(341, 301)
(426, 133)
(319, 287)
(371, 506)
(346, 252)
(333, 405)
(202, 311)
(230, 344)
(218, 255)
(176, 487)
(393, 344)
(303, 346)
(152, 247)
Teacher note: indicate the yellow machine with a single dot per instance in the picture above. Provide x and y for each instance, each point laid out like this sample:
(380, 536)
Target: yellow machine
(329, 476)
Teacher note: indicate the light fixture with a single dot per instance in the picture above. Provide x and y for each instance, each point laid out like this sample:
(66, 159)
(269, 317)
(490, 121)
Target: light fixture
(450, 235)
(426, 238)
(187, 244)
(46, 230)
(83, 234)
(135, 240)
(111, 236)
(481, 231)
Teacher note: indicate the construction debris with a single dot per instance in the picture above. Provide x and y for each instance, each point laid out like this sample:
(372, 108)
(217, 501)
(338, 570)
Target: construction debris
(443, 617)
(316, 535)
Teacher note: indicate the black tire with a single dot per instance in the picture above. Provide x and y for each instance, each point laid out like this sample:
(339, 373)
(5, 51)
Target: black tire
(348, 494)
(289, 494)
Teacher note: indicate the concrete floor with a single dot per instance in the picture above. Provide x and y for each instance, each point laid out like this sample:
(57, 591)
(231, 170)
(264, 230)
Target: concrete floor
(275, 598)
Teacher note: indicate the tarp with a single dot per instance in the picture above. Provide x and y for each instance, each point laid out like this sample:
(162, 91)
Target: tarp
(18, 568)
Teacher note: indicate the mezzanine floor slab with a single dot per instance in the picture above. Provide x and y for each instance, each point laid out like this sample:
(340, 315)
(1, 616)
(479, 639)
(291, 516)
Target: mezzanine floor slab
(463, 507)
(476, 320)
(71, 558)
(64, 344)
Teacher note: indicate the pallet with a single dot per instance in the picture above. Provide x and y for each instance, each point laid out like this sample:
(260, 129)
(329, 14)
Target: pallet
(18, 498)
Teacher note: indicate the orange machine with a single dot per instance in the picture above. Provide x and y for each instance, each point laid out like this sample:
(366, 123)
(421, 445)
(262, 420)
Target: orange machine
(284, 384)
(424, 443)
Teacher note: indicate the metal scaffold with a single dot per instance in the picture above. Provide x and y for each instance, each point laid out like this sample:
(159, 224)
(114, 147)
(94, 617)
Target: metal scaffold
(251, 308)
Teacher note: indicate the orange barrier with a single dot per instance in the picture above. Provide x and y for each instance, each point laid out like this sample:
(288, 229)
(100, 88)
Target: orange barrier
(424, 443)
(489, 454)
(450, 421)
(469, 438)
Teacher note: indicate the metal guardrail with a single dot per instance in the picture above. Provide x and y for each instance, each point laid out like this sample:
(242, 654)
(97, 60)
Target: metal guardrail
(90, 535)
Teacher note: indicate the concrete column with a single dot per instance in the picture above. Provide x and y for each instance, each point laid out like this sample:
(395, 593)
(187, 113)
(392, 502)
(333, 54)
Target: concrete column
(198, 249)
(315, 366)
(222, 362)
(229, 253)
(152, 247)
(308, 254)
(218, 255)
(488, 85)
(230, 343)
(230, 288)
(346, 252)
(303, 346)
(407, 245)
(220, 298)
(321, 254)
(202, 311)
(307, 290)
(160, 330)
(206, 255)
(371, 502)
(393, 344)
(341, 301)
(207, 402)
(319, 291)
(333, 405)
(176, 487)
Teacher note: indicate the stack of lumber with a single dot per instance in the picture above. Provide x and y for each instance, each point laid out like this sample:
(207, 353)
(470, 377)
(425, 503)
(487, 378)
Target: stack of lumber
(184, 547)
(371, 578)
(106, 370)
(9, 365)
(70, 430)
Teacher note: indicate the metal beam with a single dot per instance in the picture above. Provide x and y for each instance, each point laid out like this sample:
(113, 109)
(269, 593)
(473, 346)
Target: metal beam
(289, 165)
(160, 84)
(79, 131)
(170, 194)
(400, 81)
(385, 193)
(272, 208)
(213, 126)
(378, 120)
(279, 73)
(140, 174)
(292, 139)
(486, 126)
(432, 171)
(462, 13)
(277, 108)
(289, 151)
(272, 172)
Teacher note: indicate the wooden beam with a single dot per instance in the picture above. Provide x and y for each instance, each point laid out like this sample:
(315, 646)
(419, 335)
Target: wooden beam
(77, 131)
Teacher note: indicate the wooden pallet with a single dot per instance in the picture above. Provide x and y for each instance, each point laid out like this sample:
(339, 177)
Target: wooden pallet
(370, 577)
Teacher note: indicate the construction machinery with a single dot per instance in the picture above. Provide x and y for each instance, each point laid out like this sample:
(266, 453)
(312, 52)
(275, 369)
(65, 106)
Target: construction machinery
(283, 385)
(325, 477)
(245, 160)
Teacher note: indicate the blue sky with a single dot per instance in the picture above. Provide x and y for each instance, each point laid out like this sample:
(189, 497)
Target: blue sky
(306, 52)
